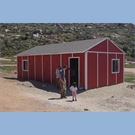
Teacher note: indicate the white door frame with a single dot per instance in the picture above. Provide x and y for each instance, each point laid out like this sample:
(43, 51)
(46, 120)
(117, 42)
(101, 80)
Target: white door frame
(78, 70)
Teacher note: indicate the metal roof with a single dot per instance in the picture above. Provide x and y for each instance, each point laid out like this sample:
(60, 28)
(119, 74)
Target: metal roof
(61, 48)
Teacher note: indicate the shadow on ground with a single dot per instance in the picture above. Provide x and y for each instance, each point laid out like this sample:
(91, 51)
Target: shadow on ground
(42, 86)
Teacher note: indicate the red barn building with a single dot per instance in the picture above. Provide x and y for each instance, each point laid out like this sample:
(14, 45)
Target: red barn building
(98, 62)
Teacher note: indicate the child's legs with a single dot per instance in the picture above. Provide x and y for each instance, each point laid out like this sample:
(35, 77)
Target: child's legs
(75, 95)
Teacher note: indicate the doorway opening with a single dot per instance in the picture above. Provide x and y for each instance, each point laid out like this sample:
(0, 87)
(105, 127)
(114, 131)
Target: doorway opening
(74, 69)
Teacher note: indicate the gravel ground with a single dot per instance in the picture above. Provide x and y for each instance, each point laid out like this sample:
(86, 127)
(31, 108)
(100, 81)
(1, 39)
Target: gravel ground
(25, 96)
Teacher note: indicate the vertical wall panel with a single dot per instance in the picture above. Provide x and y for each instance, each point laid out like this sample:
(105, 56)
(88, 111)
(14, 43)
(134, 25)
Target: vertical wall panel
(25, 73)
(92, 70)
(55, 64)
(112, 76)
(19, 67)
(120, 74)
(38, 68)
(46, 68)
(31, 67)
(65, 61)
(102, 69)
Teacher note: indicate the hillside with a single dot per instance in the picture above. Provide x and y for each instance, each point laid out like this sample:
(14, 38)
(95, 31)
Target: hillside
(15, 38)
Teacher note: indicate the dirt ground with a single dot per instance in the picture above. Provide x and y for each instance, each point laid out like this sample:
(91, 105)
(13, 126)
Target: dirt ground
(30, 96)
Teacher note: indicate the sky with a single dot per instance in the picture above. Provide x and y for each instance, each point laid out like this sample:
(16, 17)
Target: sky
(67, 11)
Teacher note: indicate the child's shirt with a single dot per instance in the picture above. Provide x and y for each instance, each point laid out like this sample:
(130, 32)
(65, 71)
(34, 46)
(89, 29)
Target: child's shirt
(73, 89)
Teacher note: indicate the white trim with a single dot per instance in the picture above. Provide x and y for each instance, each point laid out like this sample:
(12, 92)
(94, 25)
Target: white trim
(72, 55)
(86, 70)
(23, 65)
(78, 70)
(42, 69)
(51, 69)
(104, 52)
(17, 67)
(95, 44)
(118, 66)
(97, 71)
(73, 52)
(34, 68)
(116, 46)
(118, 69)
(69, 72)
(60, 60)
(107, 64)
(50, 53)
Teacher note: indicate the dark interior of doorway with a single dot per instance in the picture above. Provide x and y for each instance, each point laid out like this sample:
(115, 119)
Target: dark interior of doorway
(74, 69)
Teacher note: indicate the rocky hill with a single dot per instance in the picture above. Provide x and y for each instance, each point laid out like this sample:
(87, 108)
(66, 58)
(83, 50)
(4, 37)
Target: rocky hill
(15, 38)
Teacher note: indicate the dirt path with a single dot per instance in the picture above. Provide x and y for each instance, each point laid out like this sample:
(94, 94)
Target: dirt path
(129, 70)
(30, 96)
(13, 99)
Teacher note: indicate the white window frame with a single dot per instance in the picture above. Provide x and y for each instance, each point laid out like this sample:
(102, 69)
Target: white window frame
(23, 65)
(118, 66)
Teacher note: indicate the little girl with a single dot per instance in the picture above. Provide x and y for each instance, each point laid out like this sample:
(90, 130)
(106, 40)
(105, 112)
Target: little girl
(73, 88)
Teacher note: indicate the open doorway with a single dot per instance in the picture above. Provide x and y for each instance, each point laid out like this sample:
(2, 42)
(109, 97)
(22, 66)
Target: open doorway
(74, 68)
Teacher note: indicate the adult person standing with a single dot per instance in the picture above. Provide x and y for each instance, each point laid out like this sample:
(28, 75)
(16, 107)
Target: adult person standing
(63, 82)
(57, 77)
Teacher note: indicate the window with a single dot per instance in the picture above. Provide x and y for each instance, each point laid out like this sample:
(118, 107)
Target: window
(25, 65)
(115, 65)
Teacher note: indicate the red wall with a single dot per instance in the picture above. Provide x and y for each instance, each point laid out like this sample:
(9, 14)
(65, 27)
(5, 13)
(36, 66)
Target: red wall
(55, 64)
(92, 70)
(38, 67)
(31, 68)
(46, 68)
(19, 67)
(112, 77)
(120, 74)
(25, 73)
(82, 78)
(65, 61)
(102, 70)
(102, 47)
(112, 47)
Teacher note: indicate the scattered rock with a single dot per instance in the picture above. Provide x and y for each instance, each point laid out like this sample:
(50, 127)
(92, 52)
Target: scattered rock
(131, 86)
(112, 96)
(86, 109)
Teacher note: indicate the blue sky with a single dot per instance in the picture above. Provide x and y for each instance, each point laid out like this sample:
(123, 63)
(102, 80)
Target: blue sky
(67, 11)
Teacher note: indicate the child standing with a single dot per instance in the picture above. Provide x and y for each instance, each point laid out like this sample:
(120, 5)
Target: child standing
(73, 88)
